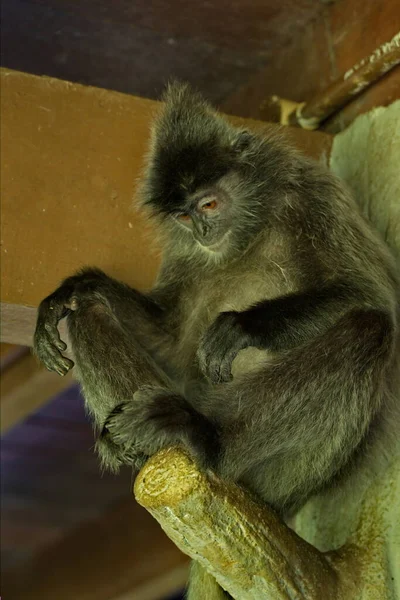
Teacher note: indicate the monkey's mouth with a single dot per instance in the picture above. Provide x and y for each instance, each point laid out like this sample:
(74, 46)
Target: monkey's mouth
(216, 246)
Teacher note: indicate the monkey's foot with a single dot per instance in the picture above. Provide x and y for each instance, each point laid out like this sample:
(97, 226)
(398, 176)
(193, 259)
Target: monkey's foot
(157, 418)
(47, 344)
(146, 424)
(113, 457)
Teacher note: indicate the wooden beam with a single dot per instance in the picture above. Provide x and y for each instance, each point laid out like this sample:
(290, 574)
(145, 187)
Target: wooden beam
(25, 386)
(9, 353)
(17, 324)
(71, 158)
(122, 555)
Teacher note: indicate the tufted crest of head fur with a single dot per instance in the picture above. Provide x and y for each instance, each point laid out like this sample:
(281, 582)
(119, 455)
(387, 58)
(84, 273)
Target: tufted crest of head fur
(191, 147)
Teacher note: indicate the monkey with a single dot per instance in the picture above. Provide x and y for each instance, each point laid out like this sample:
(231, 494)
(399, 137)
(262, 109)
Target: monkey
(267, 346)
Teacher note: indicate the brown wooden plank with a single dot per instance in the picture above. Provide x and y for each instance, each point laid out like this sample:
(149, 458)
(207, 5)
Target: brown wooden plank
(15, 534)
(122, 554)
(119, 55)
(26, 385)
(6, 350)
(9, 353)
(18, 324)
(226, 23)
(339, 37)
(135, 47)
(71, 157)
(382, 93)
(358, 28)
(67, 182)
(296, 71)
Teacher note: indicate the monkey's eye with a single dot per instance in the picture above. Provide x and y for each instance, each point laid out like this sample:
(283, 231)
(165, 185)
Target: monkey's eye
(183, 217)
(210, 205)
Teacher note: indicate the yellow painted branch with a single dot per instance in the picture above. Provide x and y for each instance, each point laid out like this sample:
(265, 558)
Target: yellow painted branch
(245, 546)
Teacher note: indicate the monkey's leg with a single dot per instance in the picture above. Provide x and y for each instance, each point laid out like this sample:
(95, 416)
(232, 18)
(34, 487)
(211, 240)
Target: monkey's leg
(111, 368)
(293, 425)
(112, 330)
(137, 314)
(202, 585)
(111, 365)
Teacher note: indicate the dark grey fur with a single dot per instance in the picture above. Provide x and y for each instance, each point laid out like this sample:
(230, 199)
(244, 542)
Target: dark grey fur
(284, 265)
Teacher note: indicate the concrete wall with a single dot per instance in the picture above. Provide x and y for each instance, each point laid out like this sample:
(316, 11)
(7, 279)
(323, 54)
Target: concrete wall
(367, 157)
(366, 510)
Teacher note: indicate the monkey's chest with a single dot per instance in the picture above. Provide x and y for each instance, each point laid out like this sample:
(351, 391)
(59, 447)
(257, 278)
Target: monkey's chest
(205, 300)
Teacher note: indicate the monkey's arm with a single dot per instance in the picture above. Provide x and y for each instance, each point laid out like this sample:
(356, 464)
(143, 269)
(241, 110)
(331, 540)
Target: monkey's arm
(118, 339)
(278, 324)
(287, 321)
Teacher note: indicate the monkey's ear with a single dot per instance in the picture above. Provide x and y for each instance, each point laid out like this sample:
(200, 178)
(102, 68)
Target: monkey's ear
(242, 140)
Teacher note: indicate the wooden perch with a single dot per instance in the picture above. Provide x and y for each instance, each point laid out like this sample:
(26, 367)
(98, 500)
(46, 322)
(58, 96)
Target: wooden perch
(251, 553)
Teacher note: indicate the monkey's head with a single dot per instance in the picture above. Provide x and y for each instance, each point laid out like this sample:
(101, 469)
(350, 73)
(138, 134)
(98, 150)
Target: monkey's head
(201, 177)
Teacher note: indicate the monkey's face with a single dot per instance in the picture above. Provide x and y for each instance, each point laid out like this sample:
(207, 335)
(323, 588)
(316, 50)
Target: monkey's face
(200, 176)
(207, 215)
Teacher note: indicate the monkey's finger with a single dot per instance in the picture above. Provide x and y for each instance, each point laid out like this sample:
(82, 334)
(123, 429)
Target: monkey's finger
(211, 354)
(214, 369)
(109, 422)
(61, 345)
(225, 373)
(53, 360)
(61, 366)
(53, 335)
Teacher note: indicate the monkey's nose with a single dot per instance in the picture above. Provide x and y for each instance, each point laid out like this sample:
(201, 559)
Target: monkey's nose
(201, 229)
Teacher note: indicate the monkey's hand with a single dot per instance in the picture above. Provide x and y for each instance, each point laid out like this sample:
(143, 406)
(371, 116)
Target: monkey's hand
(220, 345)
(47, 343)
(154, 419)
